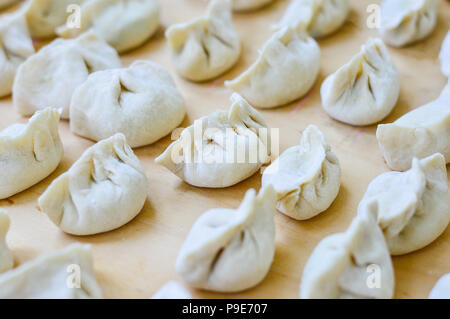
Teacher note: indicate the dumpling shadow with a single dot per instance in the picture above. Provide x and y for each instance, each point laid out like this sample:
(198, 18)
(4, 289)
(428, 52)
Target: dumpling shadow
(158, 147)
(227, 192)
(152, 44)
(430, 249)
(22, 255)
(342, 34)
(262, 289)
(135, 228)
(299, 104)
(273, 5)
(32, 193)
(401, 108)
(219, 81)
(6, 99)
(334, 214)
(6, 202)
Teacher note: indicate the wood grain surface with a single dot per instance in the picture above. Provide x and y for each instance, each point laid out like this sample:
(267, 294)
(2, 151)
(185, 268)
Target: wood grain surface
(137, 259)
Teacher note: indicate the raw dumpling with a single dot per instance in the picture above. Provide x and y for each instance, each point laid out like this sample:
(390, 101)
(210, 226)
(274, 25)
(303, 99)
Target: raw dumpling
(172, 290)
(248, 5)
(44, 16)
(7, 3)
(442, 288)
(205, 47)
(124, 24)
(15, 47)
(140, 101)
(444, 56)
(407, 21)
(354, 264)
(286, 69)
(49, 77)
(318, 17)
(365, 90)
(221, 149)
(419, 133)
(414, 205)
(102, 191)
(29, 152)
(6, 258)
(231, 250)
(63, 274)
(306, 177)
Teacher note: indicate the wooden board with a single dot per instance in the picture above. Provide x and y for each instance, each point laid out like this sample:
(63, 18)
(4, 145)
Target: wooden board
(135, 260)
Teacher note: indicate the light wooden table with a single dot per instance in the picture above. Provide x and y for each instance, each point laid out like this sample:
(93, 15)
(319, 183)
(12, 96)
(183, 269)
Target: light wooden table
(135, 260)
